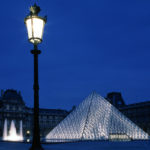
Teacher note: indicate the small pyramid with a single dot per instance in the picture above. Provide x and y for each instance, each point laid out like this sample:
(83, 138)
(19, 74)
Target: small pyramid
(95, 119)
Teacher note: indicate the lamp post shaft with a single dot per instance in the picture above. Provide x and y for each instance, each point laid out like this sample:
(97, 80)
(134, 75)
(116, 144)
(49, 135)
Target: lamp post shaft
(36, 130)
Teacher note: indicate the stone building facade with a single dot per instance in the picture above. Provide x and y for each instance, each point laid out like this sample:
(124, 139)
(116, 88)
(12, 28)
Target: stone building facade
(12, 107)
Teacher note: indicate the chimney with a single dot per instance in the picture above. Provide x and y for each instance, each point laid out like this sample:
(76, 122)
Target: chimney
(2, 93)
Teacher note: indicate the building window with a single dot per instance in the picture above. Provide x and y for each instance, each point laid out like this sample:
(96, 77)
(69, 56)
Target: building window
(20, 108)
(7, 107)
(14, 108)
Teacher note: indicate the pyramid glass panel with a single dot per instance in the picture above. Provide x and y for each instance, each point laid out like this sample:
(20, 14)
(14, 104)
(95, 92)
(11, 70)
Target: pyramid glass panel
(95, 119)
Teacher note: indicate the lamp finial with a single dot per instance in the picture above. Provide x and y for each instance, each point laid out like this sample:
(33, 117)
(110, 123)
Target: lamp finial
(34, 10)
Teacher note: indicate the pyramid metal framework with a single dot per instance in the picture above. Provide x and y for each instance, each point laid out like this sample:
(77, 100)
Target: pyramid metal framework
(95, 119)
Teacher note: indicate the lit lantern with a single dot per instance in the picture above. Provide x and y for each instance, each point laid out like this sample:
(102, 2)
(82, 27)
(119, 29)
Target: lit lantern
(35, 25)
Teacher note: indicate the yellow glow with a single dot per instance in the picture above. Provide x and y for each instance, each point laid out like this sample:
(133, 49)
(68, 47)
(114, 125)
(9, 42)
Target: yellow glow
(28, 132)
(35, 26)
(119, 137)
(29, 28)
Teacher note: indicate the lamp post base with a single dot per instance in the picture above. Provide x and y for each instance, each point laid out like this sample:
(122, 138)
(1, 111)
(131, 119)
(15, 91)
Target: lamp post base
(35, 147)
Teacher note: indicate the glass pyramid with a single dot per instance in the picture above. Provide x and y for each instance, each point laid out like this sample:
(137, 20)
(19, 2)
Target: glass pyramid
(95, 119)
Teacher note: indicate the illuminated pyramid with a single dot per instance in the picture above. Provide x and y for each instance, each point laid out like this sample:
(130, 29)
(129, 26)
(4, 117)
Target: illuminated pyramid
(94, 119)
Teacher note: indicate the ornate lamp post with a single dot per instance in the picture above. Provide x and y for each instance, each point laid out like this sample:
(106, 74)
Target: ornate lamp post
(35, 28)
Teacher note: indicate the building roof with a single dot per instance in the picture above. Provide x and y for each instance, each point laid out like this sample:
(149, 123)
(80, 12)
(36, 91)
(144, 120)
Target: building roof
(12, 95)
(136, 105)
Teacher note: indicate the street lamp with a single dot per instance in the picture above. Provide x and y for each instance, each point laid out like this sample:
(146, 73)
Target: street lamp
(35, 27)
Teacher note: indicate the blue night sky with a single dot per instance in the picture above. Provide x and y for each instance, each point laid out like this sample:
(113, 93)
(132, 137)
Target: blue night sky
(88, 45)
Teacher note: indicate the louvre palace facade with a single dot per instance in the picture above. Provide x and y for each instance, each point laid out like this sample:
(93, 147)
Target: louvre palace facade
(12, 107)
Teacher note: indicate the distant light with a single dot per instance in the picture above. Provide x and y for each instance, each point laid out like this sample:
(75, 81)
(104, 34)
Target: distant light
(28, 132)
(28, 140)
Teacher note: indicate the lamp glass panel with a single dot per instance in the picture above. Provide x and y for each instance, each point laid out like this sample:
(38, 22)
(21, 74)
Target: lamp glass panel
(38, 25)
(29, 28)
(35, 27)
